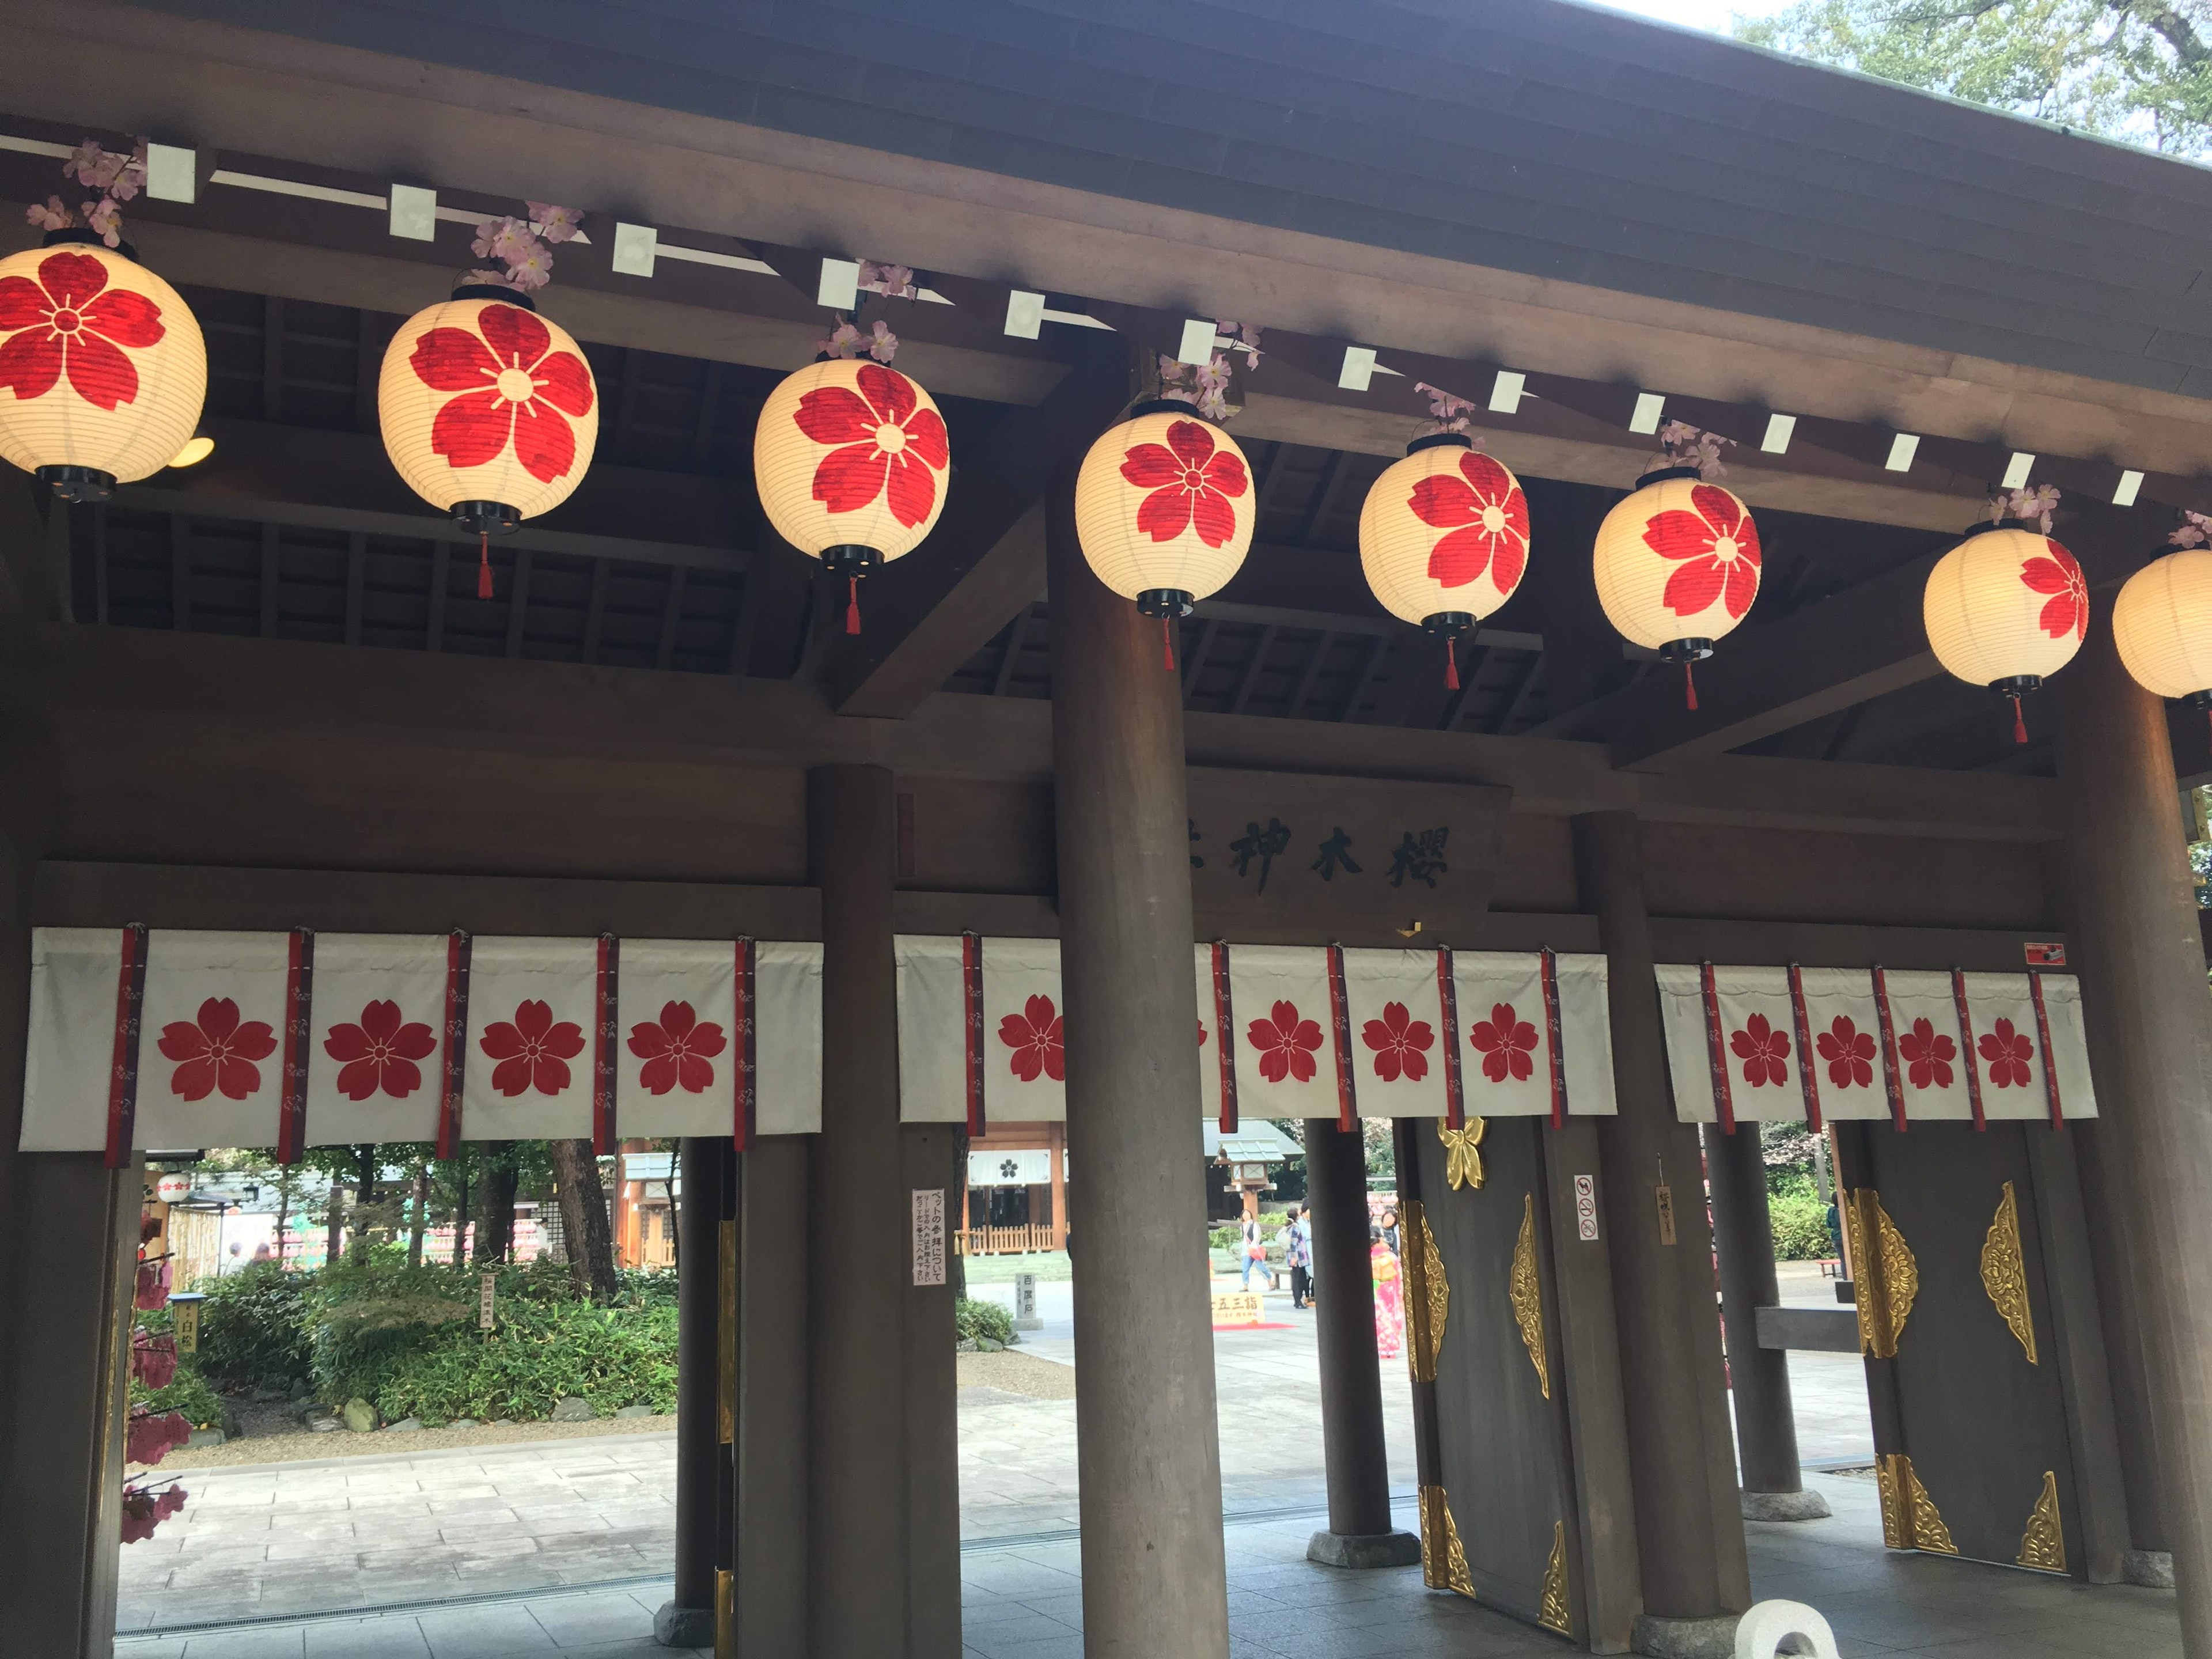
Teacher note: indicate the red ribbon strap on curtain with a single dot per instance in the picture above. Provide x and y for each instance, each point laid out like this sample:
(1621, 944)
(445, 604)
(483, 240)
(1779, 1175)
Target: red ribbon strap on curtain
(1966, 1048)
(971, 1002)
(1805, 1073)
(602, 1045)
(122, 1072)
(745, 1115)
(454, 1070)
(1548, 963)
(1340, 1008)
(1724, 1101)
(299, 1017)
(2050, 1059)
(1447, 1003)
(1890, 1079)
(1224, 1017)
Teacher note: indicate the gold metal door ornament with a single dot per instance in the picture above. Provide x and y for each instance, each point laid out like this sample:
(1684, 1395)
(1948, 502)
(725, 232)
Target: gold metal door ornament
(1526, 1294)
(1444, 1563)
(2044, 1546)
(1909, 1517)
(2004, 1276)
(1462, 1153)
(1552, 1613)
(725, 1613)
(1428, 1296)
(1888, 1278)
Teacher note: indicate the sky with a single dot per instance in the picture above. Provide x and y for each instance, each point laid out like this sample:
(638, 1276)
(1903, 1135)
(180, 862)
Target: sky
(1713, 15)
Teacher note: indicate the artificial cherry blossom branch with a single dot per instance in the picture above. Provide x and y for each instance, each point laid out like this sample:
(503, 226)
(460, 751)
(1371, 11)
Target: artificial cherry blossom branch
(1683, 445)
(1206, 386)
(893, 282)
(1448, 411)
(2035, 506)
(524, 247)
(117, 177)
(2196, 529)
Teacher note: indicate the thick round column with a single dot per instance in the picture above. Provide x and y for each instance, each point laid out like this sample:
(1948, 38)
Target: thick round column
(1689, 1528)
(1353, 1449)
(1149, 1458)
(1759, 1378)
(687, 1619)
(2134, 941)
(857, 1226)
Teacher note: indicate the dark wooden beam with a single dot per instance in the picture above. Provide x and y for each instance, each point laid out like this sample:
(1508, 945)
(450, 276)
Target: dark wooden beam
(180, 575)
(1369, 662)
(267, 584)
(1322, 644)
(595, 611)
(1003, 677)
(1331, 480)
(356, 582)
(741, 627)
(672, 615)
(1195, 660)
(272, 358)
(984, 561)
(1253, 666)
(1511, 711)
(441, 565)
(99, 565)
(702, 433)
(517, 602)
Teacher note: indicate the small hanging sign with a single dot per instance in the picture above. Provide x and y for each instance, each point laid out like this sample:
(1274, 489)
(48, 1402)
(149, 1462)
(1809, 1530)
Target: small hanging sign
(2044, 953)
(1586, 1208)
(185, 1320)
(484, 1303)
(929, 1236)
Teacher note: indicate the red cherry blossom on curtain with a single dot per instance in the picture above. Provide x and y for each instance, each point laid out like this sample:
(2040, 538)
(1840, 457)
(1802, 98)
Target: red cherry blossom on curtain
(515, 388)
(1286, 1043)
(676, 1051)
(533, 1051)
(1400, 1043)
(218, 1053)
(2007, 1051)
(1505, 1042)
(888, 444)
(1718, 547)
(1191, 480)
(2067, 610)
(1034, 1035)
(1488, 518)
(380, 1053)
(1848, 1051)
(1928, 1055)
(1762, 1049)
(68, 325)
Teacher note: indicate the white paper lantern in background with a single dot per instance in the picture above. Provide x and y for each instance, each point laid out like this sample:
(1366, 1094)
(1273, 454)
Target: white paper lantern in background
(851, 459)
(1677, 565)
(489, 410)
(1443, 537)
(2162, 623)
(102, 368)
(1164, 508)
(2006, 608)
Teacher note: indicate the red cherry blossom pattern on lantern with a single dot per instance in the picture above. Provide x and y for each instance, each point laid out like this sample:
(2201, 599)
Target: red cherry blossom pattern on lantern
(2067, 610)
(1505, 1042)
(1286, 1043)
(676, 1051)
(888, 444)
(1762, 1049)
(1034, 1035)
(380, 1053)
(1718, 547)
(515, 388)
(2007, 1051)
(533, 1051)
(67, 324)
(1927, 1055)
(1191, 480)
(1488, 517)
(218, 1053)
(1400, 1043)
(1848, 1051)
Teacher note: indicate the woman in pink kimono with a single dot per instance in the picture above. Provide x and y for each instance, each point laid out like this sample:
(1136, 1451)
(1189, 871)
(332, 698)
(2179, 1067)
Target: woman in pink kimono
(1389, 1303)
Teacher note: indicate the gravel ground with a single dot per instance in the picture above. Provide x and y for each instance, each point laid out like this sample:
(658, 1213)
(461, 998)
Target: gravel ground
(1023, 1374)
(290, 1447)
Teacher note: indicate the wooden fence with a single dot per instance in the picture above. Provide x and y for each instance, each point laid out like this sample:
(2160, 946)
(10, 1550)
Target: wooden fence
(1008, 1240)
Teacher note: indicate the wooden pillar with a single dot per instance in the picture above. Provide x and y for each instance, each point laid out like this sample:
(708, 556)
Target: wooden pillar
(1058, 1133)
(858, 1530)
(1149, 1458)
(1759, 1378)
(1689, 1528)
(703, 1484)
(1360, 1532)
(772, 1450)
(2137, 944)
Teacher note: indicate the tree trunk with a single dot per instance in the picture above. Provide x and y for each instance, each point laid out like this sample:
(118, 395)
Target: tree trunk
(496, 1202)
(337, 1239)
(419, 1221)
(675, 1233)
(584, 1220)
(461, 1206)
(283, 1213)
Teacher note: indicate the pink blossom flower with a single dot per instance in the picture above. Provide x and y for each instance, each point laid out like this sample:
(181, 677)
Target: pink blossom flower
(895, 282)
(882, 344)
(555, 224)
(531, 270)
(53, 216)
(144, 1510)
(104, 219)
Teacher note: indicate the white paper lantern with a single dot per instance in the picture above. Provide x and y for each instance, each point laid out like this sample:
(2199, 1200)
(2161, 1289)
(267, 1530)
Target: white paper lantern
(489, 410)
(1677, 565)
(2163, 623)
(102, 368)
(1443, 537)
(851, 459)
(2006, 608)
(1163, 508)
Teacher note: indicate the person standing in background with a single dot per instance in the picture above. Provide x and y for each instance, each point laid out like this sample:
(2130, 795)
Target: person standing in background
(1298, 1253)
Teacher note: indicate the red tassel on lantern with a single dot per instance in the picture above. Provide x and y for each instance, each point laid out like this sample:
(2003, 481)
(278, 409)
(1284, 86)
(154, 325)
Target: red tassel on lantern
(484, 565)
(1167, 643)
(1451, 663)
(2018, 725)
(852, 605)
(1689, 687)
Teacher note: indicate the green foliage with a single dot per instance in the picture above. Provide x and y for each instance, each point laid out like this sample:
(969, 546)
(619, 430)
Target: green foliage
(976, 1320)
(255, 1325)
(2136, 70)
(540, 1352)
(1801, 1226)
(1381, 1148)
(188, 1392)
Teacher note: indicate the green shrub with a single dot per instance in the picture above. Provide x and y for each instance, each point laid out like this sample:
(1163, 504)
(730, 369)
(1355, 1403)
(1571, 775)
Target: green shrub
(976, 1320)
(1801, 1228)
(188, 1392)
(540, 1352)
(255, 1325)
